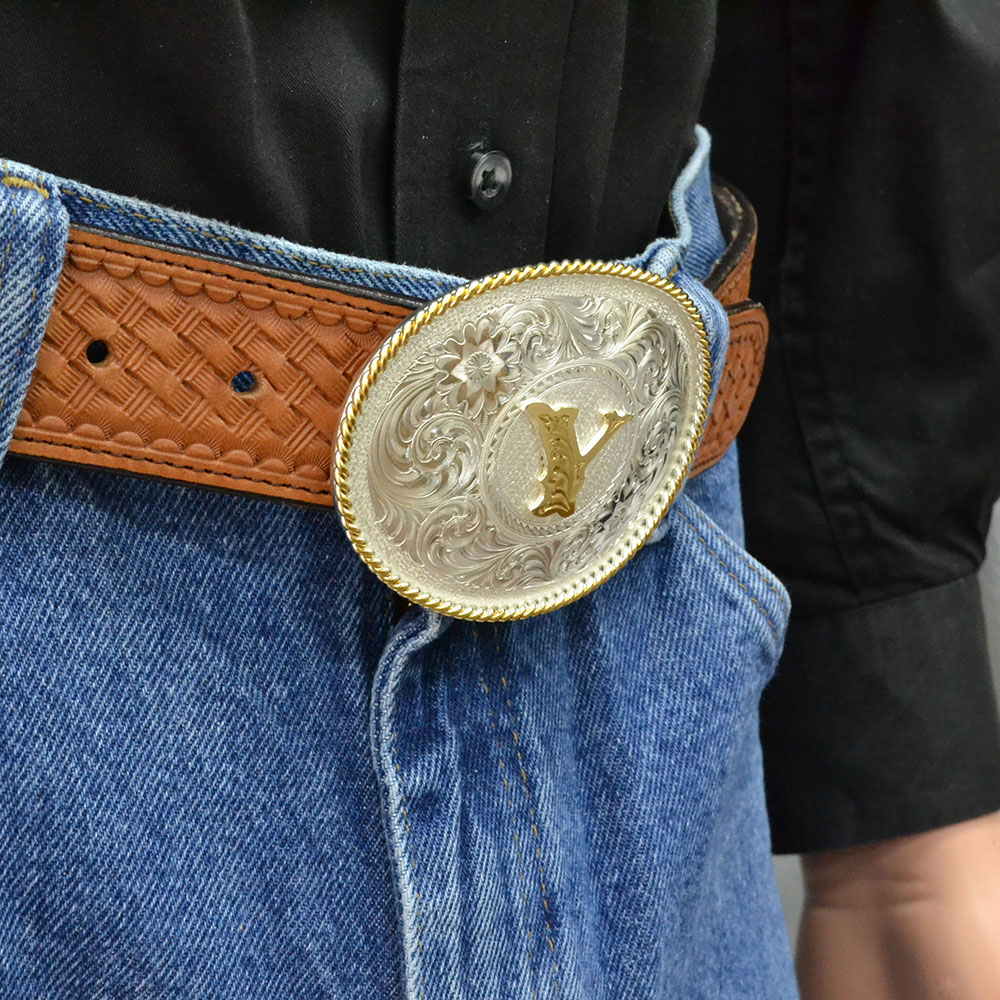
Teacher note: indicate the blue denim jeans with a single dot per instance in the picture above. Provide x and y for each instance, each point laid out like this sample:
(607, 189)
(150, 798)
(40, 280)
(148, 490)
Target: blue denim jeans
(229, 771)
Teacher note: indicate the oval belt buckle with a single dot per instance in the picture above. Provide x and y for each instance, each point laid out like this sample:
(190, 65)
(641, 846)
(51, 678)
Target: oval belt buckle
(512, 444)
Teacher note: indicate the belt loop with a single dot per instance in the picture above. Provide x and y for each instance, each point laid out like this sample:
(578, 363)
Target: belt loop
(698, 239)
(33, 229)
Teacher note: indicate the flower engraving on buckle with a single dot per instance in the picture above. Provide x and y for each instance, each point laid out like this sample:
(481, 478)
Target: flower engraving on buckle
(584, 382)
(475, 370)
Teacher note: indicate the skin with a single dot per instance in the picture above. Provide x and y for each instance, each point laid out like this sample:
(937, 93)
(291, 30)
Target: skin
(914, 918)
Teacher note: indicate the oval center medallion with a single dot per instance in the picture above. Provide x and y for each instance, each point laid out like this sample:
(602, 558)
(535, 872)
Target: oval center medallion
(513, 444)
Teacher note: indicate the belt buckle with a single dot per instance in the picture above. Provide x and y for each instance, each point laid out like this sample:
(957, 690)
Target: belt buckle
(513, 443)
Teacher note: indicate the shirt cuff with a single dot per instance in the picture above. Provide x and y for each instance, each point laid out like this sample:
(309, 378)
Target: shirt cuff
(881, 721)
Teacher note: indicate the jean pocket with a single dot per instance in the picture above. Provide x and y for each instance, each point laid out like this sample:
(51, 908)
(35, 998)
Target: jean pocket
(740, 595)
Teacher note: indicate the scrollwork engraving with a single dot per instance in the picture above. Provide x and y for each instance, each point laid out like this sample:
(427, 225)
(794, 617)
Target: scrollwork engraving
(437, 487)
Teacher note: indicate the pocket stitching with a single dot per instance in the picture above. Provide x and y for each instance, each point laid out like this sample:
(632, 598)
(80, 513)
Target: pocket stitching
(725, 566)
(756, 569)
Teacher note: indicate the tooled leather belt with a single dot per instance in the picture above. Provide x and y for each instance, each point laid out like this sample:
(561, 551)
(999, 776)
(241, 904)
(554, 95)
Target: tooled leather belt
(193, 369)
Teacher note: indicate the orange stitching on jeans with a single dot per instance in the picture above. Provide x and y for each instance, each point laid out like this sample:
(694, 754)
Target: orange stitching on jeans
(781, 597)
(534, 830)
(13, 181)
(413, 865)
(513, 825)
(722, 563)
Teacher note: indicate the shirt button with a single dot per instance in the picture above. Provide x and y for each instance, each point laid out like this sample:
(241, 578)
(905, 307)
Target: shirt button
(491, 178)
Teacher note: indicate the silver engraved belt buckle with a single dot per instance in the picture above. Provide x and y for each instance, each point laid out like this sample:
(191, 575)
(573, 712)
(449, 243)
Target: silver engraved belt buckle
(514, 443)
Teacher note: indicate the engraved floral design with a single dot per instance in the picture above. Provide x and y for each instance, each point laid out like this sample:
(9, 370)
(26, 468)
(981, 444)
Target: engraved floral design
(476, 368)
(434, 452)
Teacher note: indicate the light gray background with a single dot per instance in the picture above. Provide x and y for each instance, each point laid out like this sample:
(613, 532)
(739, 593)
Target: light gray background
(787, 868)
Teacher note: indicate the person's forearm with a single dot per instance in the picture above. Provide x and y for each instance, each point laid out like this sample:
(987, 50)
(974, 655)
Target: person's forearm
(914, 918)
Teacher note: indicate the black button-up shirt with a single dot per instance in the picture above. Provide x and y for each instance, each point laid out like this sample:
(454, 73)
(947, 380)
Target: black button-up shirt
(868, 136)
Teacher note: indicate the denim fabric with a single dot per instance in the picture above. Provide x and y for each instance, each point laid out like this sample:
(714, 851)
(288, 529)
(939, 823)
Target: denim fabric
(229, 771)
(33, 226)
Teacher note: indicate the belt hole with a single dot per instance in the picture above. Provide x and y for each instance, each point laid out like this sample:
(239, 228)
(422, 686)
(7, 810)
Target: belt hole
(97, 351)
(244, 382)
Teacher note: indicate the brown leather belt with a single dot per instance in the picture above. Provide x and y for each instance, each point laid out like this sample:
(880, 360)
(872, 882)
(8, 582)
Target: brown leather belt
(165, 364)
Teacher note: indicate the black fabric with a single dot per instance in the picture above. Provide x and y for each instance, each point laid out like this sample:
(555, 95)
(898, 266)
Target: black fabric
(871, 458)
(593, 102)
(316, 122)
(277, 117)
(868, 136)
(919, 744)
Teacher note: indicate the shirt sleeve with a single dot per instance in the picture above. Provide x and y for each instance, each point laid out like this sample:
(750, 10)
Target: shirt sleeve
(871, 460)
